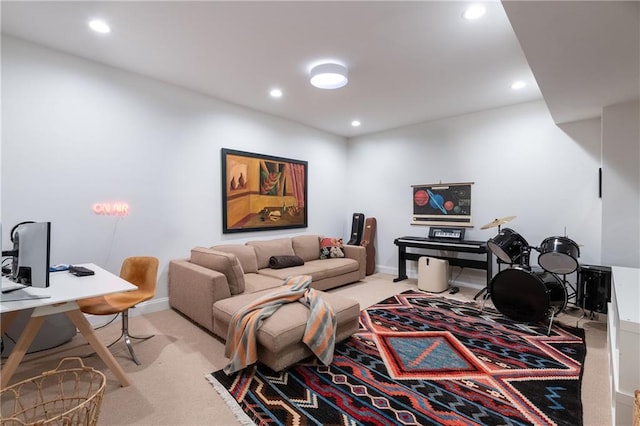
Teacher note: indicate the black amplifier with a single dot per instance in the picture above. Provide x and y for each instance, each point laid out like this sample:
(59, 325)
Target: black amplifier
(594, 287)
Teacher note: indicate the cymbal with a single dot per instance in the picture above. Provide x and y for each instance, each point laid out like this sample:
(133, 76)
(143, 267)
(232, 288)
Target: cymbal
(498, 222)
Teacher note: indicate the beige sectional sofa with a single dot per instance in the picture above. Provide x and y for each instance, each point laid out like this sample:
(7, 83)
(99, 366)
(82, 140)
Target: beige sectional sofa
(217, 281)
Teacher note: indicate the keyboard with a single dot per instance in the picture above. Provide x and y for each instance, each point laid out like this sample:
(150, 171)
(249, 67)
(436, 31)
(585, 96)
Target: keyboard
(10, 285)
(440, 241)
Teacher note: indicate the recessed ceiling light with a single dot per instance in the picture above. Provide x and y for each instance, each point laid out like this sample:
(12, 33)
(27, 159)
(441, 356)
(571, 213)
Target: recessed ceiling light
(99, 26)
(356, 123)
(518, 85)
(275, 93)
(474, 12)
(329, 76)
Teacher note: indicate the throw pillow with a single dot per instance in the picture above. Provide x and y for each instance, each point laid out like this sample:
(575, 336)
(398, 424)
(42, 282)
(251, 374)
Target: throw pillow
(281, 262)
(331, 248)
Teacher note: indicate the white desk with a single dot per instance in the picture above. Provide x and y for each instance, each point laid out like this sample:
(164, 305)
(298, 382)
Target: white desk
(63, 291)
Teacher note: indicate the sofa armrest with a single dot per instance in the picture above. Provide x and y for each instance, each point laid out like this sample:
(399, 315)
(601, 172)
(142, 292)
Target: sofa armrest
(193, 289)
(359, 254)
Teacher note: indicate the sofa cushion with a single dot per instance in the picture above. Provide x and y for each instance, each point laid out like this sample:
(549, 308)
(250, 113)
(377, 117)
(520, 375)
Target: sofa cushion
(266, 249)
(225, 263)
(331, 248)
(306, 246)
(287, 324)
(317, 269)
(246, 255)
(258, 282)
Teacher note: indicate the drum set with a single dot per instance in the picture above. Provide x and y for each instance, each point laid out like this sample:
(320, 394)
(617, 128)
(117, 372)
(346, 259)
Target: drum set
(528, 294)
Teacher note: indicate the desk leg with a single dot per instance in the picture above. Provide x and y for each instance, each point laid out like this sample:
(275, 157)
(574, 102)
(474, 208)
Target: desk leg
(22, 345)
(402, 264)
(7, 319)
(87, 331)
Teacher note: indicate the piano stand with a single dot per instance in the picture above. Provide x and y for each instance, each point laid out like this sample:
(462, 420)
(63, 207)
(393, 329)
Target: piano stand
(461, 246)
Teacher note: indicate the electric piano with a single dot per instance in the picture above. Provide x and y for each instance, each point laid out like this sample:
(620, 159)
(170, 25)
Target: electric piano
(443, 244)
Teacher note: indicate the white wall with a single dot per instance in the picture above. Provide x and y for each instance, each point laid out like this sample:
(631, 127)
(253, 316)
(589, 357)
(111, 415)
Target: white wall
(621, 185)
(521, 162)
(75, 133)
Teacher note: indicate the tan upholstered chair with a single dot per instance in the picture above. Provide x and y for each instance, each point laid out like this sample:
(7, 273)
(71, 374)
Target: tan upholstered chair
(139, 271)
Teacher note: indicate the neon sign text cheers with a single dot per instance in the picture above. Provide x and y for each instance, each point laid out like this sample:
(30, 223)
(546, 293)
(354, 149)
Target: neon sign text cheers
(111, 209)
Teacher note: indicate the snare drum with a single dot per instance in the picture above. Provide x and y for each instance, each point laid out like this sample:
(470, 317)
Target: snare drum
(559, 255)
(527, 296)
(507, 245)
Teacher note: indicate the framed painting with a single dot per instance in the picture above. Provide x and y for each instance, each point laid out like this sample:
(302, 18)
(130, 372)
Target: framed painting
(262, 192)
(442, 204)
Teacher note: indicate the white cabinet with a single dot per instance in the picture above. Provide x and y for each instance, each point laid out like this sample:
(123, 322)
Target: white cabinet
(624, 341)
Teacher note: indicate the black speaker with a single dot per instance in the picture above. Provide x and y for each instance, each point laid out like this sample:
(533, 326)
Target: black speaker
(594, 287)
(357, 225)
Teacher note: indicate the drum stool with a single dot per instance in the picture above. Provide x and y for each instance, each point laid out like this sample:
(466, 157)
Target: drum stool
(433, 274)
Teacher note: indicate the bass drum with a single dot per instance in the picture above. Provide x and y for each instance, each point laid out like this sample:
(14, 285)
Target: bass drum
(507, 245)
(527, 296)
(559, 255)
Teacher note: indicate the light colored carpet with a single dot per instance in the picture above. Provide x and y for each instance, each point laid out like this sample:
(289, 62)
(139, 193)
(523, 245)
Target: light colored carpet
(170, 387)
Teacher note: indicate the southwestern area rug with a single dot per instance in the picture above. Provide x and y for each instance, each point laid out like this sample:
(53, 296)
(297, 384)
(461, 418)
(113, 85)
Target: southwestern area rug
(420, 359)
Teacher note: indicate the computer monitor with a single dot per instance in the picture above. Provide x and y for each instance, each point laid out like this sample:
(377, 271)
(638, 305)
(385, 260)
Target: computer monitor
(31, 254)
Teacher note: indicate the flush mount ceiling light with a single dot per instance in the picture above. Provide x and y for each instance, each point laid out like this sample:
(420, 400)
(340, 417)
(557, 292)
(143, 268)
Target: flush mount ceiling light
(99, 26)
(356, 123)
(473, 12)
(275, 93)
(518, 85)
(329, 76)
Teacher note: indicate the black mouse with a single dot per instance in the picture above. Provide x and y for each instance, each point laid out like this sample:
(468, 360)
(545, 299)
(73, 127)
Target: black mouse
(454, 290)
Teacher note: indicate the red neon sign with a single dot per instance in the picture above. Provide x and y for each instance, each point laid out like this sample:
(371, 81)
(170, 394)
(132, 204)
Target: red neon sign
(111, 209)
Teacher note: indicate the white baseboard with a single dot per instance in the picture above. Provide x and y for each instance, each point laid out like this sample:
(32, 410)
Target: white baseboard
(153, 305)
(467, 277)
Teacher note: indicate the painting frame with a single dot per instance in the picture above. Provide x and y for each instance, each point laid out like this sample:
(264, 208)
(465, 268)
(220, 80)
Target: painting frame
(447, 204)
(262, 192)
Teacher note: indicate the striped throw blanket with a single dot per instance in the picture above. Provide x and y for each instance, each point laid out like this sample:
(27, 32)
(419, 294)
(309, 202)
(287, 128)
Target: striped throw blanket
(319, 334)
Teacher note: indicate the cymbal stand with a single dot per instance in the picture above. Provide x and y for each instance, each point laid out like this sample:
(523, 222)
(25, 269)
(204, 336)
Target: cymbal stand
(573, 294)
(485, 290)
(553, 315)
(553, 311)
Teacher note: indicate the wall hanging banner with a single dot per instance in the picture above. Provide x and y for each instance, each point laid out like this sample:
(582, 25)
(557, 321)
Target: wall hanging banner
(442, 204)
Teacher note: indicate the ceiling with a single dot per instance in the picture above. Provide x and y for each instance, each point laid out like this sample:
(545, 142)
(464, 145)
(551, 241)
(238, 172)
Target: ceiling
(585, 54)
(408, 62)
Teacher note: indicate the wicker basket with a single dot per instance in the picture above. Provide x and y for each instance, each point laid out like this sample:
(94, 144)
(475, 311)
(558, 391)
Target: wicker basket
(636, 409)
(70, 396)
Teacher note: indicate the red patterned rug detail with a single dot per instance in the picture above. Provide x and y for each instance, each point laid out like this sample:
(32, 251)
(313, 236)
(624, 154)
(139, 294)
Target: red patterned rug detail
(420, 359)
